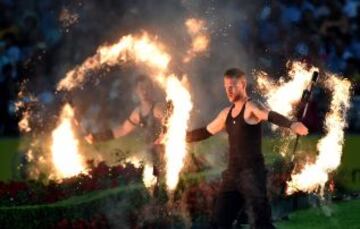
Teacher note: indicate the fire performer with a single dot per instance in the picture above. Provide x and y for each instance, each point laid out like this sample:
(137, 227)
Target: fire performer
(244, 180)
(147, 116)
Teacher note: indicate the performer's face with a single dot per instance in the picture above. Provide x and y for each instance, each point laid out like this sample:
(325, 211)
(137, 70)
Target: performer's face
(235, 88)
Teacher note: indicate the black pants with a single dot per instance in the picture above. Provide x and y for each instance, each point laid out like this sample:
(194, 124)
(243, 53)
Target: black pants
(243, 190)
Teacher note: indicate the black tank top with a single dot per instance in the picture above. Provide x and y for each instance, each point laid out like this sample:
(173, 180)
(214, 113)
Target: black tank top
(244, 143)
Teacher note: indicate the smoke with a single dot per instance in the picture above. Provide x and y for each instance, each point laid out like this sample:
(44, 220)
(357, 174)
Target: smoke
(105, 22)
(107, 98)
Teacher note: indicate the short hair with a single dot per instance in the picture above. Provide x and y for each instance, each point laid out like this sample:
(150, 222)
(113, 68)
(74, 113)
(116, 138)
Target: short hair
(236, 73)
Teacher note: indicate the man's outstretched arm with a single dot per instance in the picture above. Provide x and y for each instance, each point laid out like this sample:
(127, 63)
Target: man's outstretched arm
(214, 127)
(278, 119)
(123, 129)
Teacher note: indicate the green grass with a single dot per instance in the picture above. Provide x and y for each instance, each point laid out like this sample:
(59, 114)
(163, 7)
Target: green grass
(8, 150)
(341, 215)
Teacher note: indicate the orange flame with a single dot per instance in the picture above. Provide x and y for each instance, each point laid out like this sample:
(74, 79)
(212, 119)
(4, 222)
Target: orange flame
(129, 48)
(314, 176)
(146, 51)
(65, 152)
(175, 137)
(282, 96)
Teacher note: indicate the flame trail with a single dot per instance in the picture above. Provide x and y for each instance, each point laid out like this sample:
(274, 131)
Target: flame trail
(138, 49)
(314, 176)
(144, 50)
(66, 157)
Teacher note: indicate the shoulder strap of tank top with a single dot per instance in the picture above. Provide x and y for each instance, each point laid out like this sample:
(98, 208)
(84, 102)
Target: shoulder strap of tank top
(229, 112)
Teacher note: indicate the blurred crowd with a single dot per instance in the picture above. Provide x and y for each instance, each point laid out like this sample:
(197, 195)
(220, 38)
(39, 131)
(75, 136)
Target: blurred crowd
(325, 33)
(33, 36)
(27, 31)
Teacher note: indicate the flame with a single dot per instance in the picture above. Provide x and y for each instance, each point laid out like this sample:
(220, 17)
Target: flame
(175, 137)
(314, 176)
(138, 49)
(282, 96)
(200, 39)
(65, 152)
(145, 50)
(149, 179)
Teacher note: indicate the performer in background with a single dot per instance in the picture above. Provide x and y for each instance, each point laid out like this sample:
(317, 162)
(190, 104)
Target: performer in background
(244, 180)
(147, 116)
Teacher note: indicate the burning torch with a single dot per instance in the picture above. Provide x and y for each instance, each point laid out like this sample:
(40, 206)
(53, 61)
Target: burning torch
(305, 100)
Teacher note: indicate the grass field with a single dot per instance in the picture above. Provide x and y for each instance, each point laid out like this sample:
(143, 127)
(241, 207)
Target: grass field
(8, 151)
(341, 215)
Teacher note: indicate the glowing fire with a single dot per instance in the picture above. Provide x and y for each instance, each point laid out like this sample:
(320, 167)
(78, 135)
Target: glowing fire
(175, 143)
(139, 49)
(314, 176)
(65, 153)
(148, 178)
(147, 51)
(282, 96)
(200, 39)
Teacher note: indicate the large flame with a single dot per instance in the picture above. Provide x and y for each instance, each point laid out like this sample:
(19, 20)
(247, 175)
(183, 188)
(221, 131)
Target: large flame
(314, 176)
(65, 152)
(283, 95)
(147, 51)
(175, 139)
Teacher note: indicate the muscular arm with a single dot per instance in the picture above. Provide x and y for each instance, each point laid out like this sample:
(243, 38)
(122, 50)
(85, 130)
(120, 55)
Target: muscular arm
(214, 127)
(263, 114)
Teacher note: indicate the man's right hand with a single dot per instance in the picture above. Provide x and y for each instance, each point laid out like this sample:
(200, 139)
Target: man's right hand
(299, 128)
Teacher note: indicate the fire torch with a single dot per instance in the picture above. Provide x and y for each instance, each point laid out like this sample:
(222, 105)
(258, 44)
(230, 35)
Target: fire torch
(305, 101)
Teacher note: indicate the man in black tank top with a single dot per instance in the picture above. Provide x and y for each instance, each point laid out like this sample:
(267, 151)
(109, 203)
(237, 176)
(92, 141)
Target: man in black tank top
(244, 180)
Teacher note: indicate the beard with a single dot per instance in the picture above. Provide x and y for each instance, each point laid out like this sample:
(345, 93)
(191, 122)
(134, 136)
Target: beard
(237, 97)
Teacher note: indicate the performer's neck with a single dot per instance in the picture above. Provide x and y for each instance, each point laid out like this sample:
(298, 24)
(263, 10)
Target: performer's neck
(240, 102)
